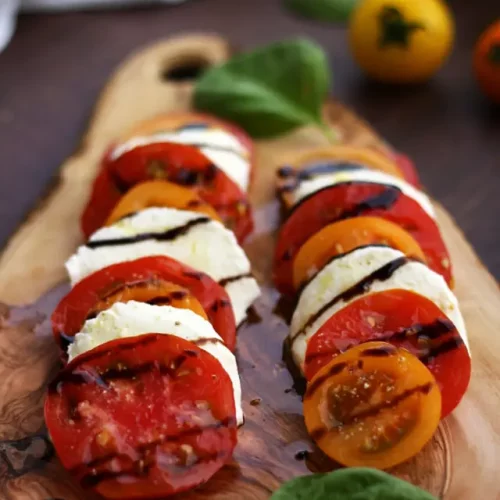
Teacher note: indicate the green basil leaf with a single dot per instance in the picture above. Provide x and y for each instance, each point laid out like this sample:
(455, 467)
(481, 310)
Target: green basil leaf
(269, 91)
(350, 484)
(323, 10)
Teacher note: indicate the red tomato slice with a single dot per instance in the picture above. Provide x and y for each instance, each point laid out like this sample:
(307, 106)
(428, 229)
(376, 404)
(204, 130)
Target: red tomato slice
(176, 163)
(346, 200)
(142, 417)
(74, 308)
(404, 319)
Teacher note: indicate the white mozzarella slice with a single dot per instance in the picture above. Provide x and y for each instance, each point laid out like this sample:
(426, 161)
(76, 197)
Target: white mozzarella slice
(136, 318)
(207, 246)
(346, 271)
(323, 180)
(222, 149)
(247, 291)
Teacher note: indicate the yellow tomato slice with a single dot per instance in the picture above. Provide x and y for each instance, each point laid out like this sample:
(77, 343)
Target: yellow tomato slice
(159, 194)
(374, 405)
(346, 235)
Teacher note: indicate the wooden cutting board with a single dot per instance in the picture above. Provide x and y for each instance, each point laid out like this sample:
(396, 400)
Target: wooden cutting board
(461, 462)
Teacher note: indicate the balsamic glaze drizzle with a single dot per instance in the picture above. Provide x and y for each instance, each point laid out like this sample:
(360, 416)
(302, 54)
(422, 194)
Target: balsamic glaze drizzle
(382, 274)
(373, 410)
(335, 257)
(431, 331)
(169, 235)
(379, 352)
(384, 200)
(391, 403)
(316, 384)
(141, 470)
(138, 469)
(195, 275)
(231, 279)
(447, 346)
(205, 341)
(294, 177)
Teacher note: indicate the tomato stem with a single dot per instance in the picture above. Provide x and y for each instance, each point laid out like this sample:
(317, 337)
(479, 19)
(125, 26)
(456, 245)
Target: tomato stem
(395, 29)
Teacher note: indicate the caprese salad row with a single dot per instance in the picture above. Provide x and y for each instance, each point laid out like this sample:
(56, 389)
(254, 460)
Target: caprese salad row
(376, 331)
(149, 399)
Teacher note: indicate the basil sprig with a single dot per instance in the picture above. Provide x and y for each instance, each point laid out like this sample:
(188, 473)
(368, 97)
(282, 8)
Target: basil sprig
(350, 484)
(269, 91)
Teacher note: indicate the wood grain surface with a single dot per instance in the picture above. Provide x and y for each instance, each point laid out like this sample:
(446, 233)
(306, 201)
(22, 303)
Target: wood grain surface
(460, 463)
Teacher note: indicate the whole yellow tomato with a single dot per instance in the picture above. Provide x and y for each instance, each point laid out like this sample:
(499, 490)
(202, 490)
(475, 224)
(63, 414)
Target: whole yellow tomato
(401, 41)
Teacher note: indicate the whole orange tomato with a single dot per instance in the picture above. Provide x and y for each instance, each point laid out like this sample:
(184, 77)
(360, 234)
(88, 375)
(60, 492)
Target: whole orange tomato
(487, 61)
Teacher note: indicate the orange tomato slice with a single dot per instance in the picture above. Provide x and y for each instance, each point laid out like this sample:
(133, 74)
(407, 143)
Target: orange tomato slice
(365, 157)
(159, 194)
(346, 235)
(156, 292)
(373, 406)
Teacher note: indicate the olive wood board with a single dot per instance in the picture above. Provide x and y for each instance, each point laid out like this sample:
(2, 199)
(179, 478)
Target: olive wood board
(462, 461)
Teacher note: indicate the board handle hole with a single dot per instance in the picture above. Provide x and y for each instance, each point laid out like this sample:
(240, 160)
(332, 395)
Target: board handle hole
(184, 71)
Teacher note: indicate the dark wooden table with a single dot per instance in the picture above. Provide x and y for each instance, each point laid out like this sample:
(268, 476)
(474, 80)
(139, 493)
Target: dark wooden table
(54, 68)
